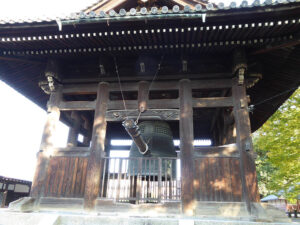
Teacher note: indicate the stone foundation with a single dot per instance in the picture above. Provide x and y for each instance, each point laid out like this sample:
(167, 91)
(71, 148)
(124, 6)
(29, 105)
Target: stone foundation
(66, 211)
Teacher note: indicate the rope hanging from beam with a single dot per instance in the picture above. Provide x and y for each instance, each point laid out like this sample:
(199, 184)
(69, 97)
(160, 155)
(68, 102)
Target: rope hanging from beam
(120, 86)
(152, 81)
(130, 125)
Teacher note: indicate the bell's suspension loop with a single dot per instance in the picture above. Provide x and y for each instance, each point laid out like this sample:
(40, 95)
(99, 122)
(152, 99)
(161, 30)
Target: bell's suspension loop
(134, 131)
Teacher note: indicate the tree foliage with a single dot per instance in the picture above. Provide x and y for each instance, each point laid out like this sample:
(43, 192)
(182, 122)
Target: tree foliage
(277, 144)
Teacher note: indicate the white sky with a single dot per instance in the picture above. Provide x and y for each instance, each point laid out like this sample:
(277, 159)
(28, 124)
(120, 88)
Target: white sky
(34, 8)
(21, 127)
(21, 121)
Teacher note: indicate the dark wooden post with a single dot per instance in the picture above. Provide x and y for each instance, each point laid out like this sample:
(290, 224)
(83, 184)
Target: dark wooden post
(88, 136)
(106, 165)
(186, 147)
(4, 199)
(143, 95)
(74, 130)
(244, 143)
(97, 149)
(46, 144)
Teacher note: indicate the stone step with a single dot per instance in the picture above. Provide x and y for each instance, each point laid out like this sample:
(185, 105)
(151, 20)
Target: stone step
(55, 218)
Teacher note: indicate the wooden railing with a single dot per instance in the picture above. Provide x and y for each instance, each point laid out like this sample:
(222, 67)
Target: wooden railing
(140, 180)
(147, 179)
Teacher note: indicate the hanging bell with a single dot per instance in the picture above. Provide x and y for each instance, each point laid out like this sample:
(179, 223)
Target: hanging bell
(159, 139)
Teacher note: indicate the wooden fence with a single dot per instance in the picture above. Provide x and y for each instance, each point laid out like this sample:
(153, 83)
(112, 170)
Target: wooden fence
(146, 180)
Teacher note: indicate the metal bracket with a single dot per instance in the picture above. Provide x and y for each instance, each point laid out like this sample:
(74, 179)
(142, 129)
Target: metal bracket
(241, 76)
(51, 83)
(242, 103)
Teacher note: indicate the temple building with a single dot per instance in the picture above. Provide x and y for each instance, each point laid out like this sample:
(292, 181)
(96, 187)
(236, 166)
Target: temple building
(154, 71)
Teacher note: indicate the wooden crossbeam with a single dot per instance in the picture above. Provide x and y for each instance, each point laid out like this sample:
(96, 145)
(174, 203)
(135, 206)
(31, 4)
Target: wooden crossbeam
(82, 89)
(21, 60)
(213, 102)
(71, 152)
(77, 105)
(230, 150)
(153, 114)
(161, 77)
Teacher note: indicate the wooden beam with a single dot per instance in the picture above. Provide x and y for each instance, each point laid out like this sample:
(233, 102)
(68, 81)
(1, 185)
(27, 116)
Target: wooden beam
(244, 144)
(88, 136)
(186, 147)
(212, 102)
(81, 89)
(143, 95)
(151, 104)
(287, 44)
(4, 197)
(74, 130)
(71, 152)
(77, 105)
(94, 169)
(118, 104)
(223, 93)
(119, 148)
(230, 150)
(162, 77)
(153, 114)
(46, 146)
(21, 60)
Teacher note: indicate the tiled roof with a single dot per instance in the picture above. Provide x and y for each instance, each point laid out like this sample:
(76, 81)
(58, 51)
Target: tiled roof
(13, 180)
(154, 11)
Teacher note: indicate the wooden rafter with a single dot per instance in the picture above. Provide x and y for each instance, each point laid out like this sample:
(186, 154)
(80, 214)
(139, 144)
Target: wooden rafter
(20, 60)
(190, 3)
(105, 5)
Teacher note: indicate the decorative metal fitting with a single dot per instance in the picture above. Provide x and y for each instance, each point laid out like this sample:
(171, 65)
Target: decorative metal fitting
(251, 108)
(241, 76)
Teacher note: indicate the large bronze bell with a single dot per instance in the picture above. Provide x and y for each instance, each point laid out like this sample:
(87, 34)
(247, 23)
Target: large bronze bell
(159, 138)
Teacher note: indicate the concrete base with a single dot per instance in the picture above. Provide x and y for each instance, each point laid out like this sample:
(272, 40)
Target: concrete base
(26, 204)
(66, 209)
(58, 218)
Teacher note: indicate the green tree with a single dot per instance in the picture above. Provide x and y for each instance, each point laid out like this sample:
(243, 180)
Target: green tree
(277, 144)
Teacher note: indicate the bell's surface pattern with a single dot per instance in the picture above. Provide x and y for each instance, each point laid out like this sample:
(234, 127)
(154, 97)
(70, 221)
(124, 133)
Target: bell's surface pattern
(158, 136)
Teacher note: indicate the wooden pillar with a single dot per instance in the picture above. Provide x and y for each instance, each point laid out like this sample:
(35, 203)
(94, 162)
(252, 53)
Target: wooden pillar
(106, 165)
(74, 130)
(244, 143)
(143, 96)
(186, 147)
(46, 144)
(88, 136)
(97, 149)
(5, 193)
